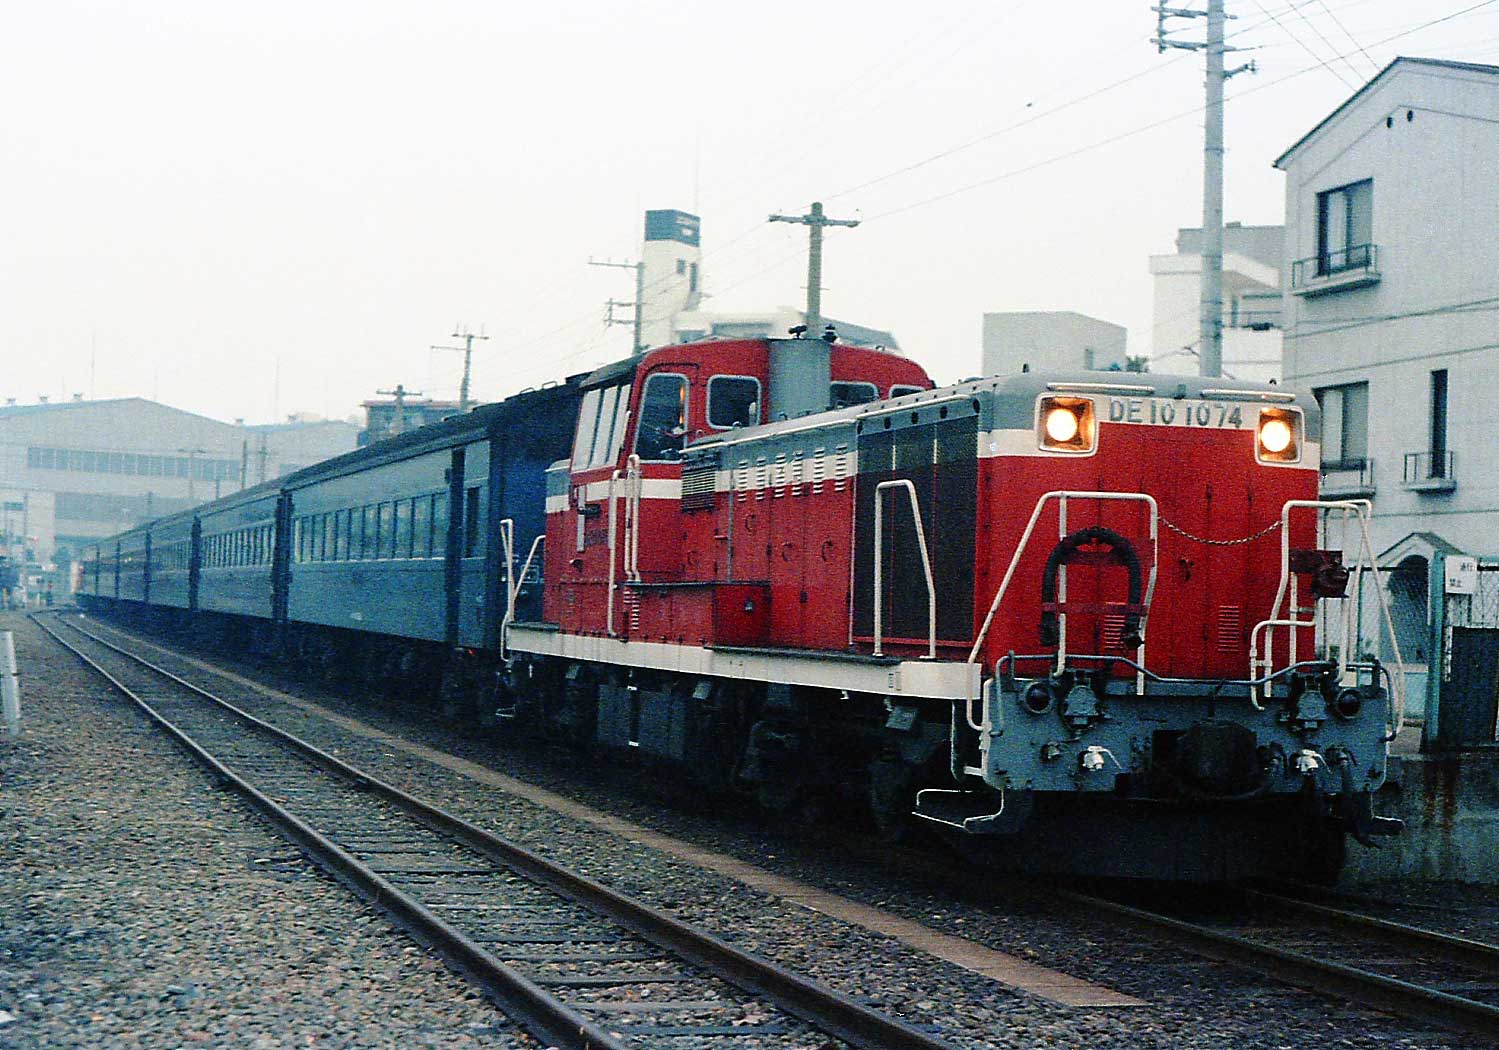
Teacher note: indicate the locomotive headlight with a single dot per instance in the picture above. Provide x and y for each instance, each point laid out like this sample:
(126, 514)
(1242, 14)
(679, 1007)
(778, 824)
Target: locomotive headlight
(1278, 439)
(1061, 425)
(1065, 424)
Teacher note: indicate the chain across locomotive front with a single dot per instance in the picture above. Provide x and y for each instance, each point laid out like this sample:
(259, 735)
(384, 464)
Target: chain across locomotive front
(1167, 616)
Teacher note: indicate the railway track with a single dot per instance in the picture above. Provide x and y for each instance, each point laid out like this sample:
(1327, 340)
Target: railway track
(570, 960)
(1392, 967)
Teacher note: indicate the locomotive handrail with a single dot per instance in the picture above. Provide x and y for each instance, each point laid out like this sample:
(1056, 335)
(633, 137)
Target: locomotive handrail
(879, 566)
(613, 532)
(1030, 526)
(1360, 509)
(634, 483)
(511, 596)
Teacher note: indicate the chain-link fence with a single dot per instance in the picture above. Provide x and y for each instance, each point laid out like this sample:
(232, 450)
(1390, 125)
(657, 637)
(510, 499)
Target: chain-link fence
(1467, 676)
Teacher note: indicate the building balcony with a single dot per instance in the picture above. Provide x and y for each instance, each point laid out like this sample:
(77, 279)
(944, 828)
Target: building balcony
(1353, 267)
(1348, 479)
(1430, 472)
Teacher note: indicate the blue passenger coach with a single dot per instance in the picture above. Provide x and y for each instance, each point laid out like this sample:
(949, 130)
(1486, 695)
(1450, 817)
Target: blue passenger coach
(405, 552)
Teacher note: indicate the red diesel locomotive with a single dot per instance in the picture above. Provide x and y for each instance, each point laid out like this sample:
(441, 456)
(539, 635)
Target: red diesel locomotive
(1089, 618)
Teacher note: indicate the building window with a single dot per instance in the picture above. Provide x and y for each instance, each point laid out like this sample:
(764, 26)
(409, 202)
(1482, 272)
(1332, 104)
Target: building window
(1438, 467)
(733, 401)
(1345, 227)
(681, 266)
(1345, 426)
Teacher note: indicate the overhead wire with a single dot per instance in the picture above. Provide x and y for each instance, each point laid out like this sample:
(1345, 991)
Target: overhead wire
(1111, 139)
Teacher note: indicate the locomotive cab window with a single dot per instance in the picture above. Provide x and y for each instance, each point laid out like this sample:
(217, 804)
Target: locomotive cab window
(902, 389)
(663, 418)
(845, 395)
(733, 401)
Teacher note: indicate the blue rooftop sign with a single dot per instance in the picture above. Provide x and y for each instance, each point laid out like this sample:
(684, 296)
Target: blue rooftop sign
(671, 225)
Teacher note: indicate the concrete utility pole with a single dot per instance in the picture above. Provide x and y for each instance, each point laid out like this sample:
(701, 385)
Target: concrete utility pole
(467, 349)
(814, 220)
(1210, 316)
(400, 393)
(192, 468)
(638, 304)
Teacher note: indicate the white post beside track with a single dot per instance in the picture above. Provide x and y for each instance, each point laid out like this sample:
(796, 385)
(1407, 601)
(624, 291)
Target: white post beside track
(10, 686)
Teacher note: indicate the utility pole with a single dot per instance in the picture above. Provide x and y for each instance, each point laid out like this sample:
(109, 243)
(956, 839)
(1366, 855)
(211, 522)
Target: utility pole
(263, 453)
(400, 393)
(814, 220)
(1210, 307)
(467, 349)
(192, 468)
(638, 304)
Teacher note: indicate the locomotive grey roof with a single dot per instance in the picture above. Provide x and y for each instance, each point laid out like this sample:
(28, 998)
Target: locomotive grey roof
(1016, 396)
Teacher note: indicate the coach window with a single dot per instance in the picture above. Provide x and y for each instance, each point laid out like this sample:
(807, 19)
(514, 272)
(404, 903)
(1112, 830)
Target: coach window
(421, 527)
(733, 401)
(663, 418)
(402, 529)
(472, 522)
(439, 525)
(846, 394)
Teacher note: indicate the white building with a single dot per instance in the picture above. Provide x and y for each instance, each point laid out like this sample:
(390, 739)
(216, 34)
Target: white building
(75, 471)
(1251, 303)
(671, 282)
(1051, 340)
(672, 287)
(1393, 267)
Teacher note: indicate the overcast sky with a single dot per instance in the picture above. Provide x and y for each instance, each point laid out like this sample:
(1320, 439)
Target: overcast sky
(195, 192)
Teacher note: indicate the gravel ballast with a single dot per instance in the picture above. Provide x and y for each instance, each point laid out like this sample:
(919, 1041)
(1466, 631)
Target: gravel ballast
(141, 908)
(1191, 1003)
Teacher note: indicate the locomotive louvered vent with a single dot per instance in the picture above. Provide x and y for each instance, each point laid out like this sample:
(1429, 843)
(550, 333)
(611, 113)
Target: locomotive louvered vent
(1230, 628)
(697, 486)
(1113, 632)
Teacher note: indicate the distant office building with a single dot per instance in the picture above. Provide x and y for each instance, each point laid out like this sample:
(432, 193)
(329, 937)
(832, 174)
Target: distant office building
(1051, 340)
(1251, 303)
(386, 418)
(82, 470)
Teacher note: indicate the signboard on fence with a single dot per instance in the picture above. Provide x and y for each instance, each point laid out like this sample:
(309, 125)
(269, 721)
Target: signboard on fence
(1462, 574)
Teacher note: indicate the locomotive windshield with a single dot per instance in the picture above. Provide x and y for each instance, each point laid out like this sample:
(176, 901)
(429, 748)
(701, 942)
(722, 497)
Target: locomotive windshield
(663, 418)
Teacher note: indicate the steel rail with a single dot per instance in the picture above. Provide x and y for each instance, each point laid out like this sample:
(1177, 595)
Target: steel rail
(1386, 994)
(543, 1015)
(1461, 950)
(825, 1008)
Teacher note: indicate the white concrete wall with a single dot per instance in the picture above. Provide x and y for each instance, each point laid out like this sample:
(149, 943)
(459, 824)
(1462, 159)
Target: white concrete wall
(1050, 341)
(1249, 355)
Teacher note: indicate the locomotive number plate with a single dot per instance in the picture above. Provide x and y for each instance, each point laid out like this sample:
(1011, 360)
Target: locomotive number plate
(1170, 412)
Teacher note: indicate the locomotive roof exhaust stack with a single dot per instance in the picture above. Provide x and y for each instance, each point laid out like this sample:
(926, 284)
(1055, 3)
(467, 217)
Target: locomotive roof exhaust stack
(801, 377)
